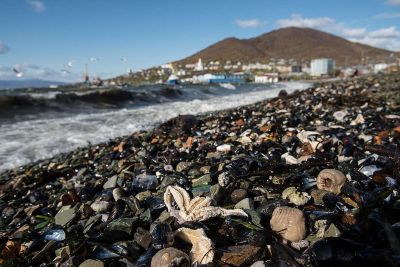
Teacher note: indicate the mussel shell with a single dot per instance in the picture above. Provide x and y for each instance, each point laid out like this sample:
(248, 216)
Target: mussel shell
(55, 233)
(162, 235)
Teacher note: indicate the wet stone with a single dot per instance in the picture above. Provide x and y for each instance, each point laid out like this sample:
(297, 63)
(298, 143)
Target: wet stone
(237, 195)
(203, 180)
(216, 192)
(66, 215)
(111, 182)
(143, 238)
(332, 231)
(124, 225)
(230, 187)
(245, 204)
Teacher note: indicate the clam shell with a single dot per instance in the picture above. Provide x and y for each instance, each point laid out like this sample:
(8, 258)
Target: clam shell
(331, 180)
(169, 257)
(288, 223)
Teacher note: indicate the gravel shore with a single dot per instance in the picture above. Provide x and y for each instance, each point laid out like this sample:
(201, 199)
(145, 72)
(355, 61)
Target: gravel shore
(309, 178)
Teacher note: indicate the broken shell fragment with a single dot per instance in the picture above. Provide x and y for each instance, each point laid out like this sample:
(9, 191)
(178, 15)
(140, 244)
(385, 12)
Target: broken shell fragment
(170, 257)
(202, 251)
(331, 180)
(289, 223)
(296, 197)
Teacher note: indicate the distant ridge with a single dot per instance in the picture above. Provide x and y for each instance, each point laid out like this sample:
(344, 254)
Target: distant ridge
(33, 83)
(290, 43)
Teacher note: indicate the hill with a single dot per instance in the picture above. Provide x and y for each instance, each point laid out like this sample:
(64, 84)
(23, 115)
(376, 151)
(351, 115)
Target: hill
(290, 43)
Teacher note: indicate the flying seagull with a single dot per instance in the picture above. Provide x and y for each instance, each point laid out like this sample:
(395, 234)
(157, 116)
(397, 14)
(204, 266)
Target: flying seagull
(124, 59)
(18, 73)
(93, 59)
(69, 64)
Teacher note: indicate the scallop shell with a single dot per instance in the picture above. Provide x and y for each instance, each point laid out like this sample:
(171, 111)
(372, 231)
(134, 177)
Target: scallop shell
(288, 223)
(331, 180)
(170, 257)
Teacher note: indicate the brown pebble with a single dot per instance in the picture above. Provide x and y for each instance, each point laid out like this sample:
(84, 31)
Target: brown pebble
(238, 195)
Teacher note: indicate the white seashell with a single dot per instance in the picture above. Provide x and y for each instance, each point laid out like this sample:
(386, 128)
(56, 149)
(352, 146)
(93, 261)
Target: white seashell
(359, 120)
(392, 117)
(339, 115)
(224, 148)
(365, 138)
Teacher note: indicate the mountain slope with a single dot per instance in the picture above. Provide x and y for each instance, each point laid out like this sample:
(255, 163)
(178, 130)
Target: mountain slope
(290, 43)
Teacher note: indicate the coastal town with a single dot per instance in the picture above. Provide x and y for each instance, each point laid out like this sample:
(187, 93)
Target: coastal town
(270, 71)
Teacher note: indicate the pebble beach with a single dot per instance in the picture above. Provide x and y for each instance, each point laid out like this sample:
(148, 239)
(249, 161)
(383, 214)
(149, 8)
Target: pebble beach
(308, 178)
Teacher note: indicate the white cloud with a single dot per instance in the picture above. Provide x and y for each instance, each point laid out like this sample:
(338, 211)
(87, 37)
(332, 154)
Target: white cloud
(3, 48)
(37, 5)
(297, 20)
(393, 2)
(388, 38)
(353, 32)
(249, 23)
(387, 16)
(389, 32)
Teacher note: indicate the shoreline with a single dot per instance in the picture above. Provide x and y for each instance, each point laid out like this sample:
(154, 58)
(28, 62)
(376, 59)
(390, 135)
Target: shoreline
(99, 125)
(107, 199)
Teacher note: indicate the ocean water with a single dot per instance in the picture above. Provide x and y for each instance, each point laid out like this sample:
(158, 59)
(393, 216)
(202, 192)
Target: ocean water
(40, 124)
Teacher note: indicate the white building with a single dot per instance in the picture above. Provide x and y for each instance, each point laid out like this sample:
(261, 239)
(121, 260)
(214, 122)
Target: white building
(380, 67)
(269, 78)
(199, 66)
(322, 66)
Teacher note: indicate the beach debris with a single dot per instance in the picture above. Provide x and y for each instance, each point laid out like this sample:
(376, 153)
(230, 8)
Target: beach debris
(289, 223)
(331, 180)
(196, 209)
(295, 197)
(340, 115)
(170, 257)
(281, 182)
(202, 251)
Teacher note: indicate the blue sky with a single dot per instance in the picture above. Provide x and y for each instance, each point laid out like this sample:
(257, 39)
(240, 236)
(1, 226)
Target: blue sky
(39, 37)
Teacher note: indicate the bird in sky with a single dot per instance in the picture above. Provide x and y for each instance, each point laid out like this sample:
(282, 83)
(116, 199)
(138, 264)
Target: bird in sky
(18, 73)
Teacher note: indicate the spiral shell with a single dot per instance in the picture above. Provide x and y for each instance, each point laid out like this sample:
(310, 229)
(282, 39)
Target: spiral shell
(170, 257)
(288, 223)
(331, 180)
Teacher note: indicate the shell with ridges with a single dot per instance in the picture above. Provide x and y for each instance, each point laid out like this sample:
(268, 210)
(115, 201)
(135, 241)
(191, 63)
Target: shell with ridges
(288, 223)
